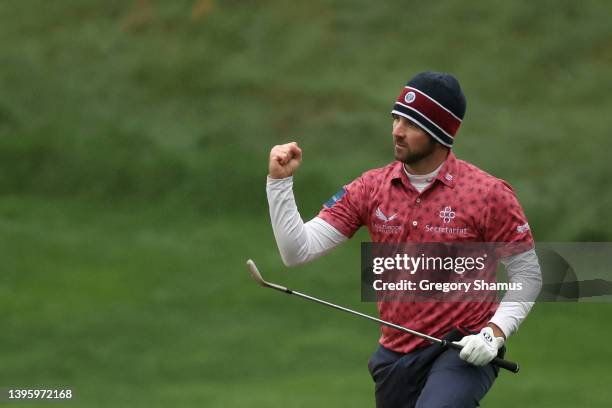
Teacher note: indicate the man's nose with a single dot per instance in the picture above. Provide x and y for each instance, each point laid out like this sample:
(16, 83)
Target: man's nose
(398, 130)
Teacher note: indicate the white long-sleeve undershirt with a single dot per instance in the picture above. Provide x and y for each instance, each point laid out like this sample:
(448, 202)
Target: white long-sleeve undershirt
(421, 181)
(300, 242)
(521, 268)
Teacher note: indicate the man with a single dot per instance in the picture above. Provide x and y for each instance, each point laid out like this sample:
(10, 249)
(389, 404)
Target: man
(415, 199)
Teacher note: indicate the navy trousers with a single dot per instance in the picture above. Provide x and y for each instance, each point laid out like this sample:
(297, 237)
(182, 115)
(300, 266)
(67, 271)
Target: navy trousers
(431, 377)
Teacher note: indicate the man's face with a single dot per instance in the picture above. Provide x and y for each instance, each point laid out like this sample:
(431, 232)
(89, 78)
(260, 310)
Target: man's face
(411, 143)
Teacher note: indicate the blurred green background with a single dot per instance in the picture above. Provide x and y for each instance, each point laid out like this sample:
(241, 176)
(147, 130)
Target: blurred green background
(133, 153)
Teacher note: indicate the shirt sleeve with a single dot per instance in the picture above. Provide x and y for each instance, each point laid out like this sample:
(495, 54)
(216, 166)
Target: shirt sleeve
(505, 222)
(346, 211)
(298, 242)
(524, 269)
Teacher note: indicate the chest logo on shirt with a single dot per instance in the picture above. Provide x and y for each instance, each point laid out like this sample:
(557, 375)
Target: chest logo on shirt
(385, 227)
(447, 214)
(381, 216)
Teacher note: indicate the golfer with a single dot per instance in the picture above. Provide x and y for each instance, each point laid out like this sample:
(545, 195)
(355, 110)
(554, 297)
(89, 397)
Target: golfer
(425, 195)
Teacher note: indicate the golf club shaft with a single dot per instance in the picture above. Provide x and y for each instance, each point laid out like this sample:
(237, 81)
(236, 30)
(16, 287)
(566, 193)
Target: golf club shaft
(256, 275)
(499, 362)
(374, 319)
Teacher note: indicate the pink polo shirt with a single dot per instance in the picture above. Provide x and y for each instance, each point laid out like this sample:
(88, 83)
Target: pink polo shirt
(463, 204)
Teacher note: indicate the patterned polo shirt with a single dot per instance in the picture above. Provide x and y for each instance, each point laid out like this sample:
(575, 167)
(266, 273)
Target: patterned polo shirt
(462, 204)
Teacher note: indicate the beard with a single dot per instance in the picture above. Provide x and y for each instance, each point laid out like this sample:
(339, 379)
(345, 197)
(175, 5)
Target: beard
(410, 156)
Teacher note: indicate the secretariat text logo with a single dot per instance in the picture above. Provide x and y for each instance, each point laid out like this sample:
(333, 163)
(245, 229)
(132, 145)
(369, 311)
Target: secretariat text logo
(447, 215)
(446, 230)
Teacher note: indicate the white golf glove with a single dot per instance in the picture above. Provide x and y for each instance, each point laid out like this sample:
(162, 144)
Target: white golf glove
(479, 349)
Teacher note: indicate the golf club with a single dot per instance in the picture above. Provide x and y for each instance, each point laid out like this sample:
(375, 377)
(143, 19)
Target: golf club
(508, 365)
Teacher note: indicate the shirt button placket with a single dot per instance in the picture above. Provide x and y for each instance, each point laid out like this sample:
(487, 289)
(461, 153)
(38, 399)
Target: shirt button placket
(417, 204)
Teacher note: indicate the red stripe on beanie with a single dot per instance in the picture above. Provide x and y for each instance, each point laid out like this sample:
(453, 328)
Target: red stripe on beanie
(432, 110)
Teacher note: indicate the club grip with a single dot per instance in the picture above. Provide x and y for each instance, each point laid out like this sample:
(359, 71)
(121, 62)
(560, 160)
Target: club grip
(499, 362)
(506, 365)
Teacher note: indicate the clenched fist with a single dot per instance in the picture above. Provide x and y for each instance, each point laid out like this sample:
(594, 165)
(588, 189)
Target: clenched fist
(284, 160)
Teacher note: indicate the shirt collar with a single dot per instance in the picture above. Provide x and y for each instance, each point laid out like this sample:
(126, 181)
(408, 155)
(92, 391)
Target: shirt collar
(447, 174)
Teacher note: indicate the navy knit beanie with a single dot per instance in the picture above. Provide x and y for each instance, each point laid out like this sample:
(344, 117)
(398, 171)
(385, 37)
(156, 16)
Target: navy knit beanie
(435, 102)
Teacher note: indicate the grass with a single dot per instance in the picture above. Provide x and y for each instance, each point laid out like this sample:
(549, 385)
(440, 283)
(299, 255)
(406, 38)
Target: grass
(133, 150)
(155, 308)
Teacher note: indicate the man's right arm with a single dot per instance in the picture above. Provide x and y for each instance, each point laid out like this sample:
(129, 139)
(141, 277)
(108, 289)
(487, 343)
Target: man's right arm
(298, 242)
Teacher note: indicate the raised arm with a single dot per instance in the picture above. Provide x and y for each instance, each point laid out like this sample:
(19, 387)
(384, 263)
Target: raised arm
(297, 242)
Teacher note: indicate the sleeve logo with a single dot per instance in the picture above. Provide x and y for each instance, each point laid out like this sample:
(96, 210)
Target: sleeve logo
(522, 228)
(335, 198)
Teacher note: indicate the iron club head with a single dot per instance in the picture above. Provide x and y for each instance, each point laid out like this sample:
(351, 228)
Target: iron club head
(258, 278)
(255, 272)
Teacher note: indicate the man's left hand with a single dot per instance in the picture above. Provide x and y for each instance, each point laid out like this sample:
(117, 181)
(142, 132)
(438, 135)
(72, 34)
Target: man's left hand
(479, 349)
